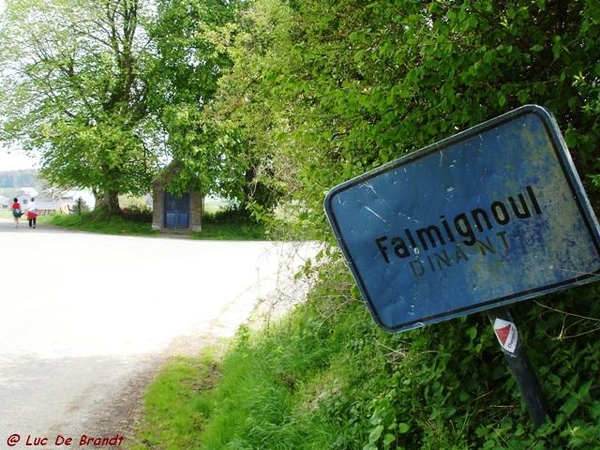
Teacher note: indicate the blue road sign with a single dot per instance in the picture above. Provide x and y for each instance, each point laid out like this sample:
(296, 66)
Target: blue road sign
(488, 217)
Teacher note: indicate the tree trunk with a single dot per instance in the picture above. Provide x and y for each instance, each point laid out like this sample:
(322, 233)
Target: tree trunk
(107, 203)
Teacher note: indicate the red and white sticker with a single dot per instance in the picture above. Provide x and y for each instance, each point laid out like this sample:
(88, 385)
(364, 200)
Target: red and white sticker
(507, 335)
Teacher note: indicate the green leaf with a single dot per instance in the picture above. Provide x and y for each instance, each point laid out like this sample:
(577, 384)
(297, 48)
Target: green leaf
(570, 406)
(375, 434)
(388, 439)
(403, 427)
(501, 99)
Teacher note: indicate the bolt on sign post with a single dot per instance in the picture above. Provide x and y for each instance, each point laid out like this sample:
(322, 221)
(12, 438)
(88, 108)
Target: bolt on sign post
(488, 217)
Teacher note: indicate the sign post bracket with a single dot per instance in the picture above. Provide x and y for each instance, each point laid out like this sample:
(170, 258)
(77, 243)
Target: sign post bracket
(519, 363)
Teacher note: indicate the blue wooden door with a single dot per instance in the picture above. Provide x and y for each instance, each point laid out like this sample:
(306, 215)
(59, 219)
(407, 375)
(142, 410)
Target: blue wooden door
(177, 211)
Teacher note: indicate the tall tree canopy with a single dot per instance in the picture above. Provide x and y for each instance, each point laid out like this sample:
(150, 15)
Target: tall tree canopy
(73, 88)
(188, 65)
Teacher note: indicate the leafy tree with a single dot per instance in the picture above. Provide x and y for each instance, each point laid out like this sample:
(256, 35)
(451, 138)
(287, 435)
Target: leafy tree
(185, 80)
(74, 90)
(244, 112)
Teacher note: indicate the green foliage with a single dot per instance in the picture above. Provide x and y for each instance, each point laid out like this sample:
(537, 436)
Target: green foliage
(138, 213)
(80, 206)
(172, 395)
(231, 224)
(136, 221)
(229, 215)
(325, 90)
(98, 222)
(185, 80)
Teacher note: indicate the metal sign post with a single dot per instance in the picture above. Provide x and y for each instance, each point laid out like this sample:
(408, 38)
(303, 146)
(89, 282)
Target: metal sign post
(491, 216)
(518, 361)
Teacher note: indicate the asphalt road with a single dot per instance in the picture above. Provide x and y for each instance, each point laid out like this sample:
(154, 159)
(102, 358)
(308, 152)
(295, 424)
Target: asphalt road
(86, 319)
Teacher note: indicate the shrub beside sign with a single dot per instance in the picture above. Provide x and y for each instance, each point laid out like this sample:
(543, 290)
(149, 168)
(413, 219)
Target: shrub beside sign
(491, 216)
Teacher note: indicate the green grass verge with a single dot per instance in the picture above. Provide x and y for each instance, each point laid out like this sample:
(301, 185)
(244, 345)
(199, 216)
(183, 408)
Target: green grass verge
(214, 227)
(106, 225)
(181, 393)
(240, 230)
(326, 377)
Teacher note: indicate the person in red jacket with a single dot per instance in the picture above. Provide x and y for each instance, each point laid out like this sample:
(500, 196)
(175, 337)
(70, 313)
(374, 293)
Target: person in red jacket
(16, 211)
(32, 213)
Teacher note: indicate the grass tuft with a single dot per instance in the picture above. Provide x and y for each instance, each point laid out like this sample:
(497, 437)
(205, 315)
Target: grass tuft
(182, 393)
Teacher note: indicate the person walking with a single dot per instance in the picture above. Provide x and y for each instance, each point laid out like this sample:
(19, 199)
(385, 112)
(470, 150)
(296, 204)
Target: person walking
(16, 211)
(32, 213)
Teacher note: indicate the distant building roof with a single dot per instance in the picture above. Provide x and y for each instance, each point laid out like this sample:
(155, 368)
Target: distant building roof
(32, 192)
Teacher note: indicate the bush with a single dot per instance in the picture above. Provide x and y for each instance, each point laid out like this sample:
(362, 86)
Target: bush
(80, 206)
(136, 213)
(229, 216)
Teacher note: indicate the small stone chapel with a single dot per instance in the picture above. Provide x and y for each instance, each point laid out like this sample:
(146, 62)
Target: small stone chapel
(173, 214)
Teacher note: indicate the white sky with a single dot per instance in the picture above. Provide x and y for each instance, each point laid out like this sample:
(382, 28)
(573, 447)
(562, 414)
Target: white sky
(16, 160)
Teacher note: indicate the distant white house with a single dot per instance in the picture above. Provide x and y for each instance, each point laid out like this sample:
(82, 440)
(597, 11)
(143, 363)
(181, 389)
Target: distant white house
(27, 192)
(24, 195)
(50, 201)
